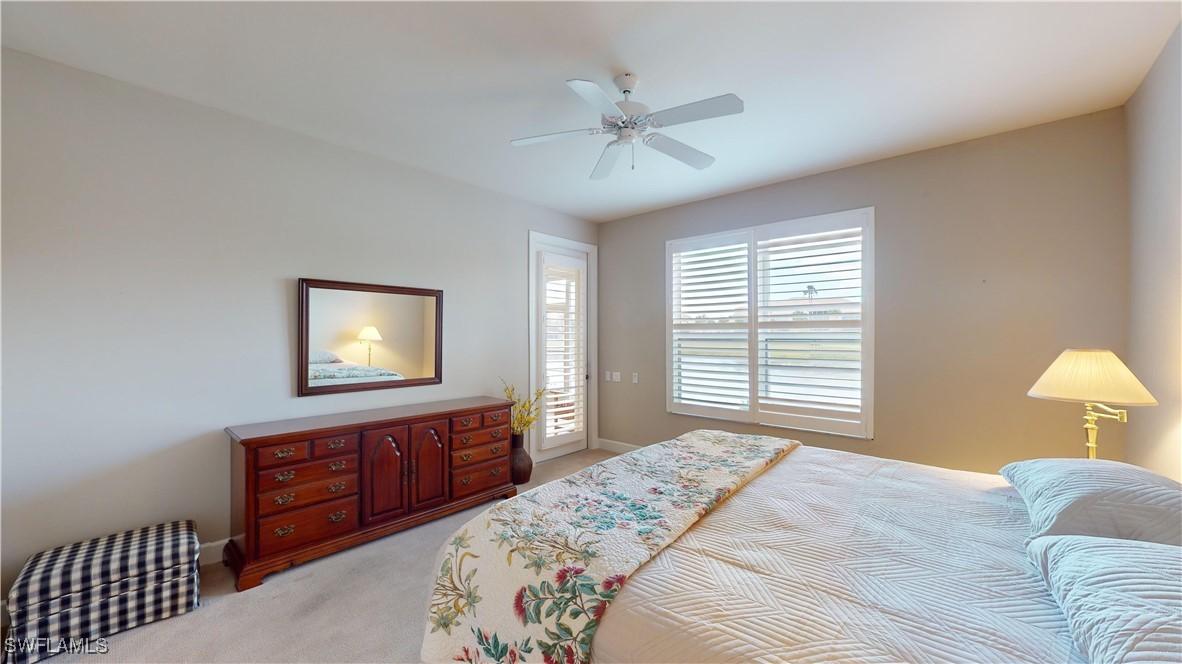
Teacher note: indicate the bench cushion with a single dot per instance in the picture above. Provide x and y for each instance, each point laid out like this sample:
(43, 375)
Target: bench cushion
(86, 572)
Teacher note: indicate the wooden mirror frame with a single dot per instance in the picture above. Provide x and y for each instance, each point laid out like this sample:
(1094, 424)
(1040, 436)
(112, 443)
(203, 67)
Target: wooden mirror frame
(305, 390)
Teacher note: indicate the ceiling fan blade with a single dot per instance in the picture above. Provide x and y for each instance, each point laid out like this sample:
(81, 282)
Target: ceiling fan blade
(607, 160)
(679, 151)
(542, 138)
(714, 107)
(594, 95)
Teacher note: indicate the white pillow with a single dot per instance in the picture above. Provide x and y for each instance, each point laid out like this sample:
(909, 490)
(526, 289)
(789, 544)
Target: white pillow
(323, 357)
(1122, 598)
(1098, 497)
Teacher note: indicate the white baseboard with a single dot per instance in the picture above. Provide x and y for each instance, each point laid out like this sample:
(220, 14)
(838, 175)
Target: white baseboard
(211, 552)
(616, 446)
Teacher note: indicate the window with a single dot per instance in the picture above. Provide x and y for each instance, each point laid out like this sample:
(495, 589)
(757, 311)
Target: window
(774, 324)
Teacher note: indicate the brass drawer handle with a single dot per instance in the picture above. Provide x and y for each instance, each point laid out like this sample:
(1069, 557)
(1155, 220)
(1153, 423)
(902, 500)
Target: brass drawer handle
(467, 456)
(285, 476)
(494, 472)
(496, 449)
(466, 481)
(497, 433)
(495, 417)
(336, 444)
(284, 499)
(337, 465)
(284, 531)
(466, 421)
(336, 488)
(466, 440)
(284, 453)
(337, 517)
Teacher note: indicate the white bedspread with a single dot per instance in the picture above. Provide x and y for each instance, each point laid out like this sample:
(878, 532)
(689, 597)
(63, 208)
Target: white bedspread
(831, 556)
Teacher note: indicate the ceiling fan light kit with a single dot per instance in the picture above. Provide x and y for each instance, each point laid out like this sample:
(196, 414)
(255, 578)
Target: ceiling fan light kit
(630, 123)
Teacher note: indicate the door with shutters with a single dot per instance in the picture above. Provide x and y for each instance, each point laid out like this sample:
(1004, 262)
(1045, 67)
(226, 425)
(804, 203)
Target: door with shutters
(428, 465)
(562, 312)
(384, 472)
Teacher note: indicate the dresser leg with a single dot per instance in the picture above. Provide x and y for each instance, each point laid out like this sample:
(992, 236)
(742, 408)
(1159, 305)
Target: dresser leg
(232, 558)
(248, 580)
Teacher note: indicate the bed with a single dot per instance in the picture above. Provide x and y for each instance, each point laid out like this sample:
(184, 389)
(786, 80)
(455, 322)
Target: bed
(805, 554)
(345, 373)
(831, 556)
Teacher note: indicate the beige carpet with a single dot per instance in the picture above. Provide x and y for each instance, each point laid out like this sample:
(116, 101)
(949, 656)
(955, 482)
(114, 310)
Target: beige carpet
(367, 604)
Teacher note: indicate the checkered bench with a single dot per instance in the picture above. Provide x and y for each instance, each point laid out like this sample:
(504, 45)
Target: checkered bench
(69, 598)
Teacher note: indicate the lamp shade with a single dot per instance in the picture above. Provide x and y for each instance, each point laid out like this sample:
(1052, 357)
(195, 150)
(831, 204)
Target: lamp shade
(370, 333)
(1091, 375)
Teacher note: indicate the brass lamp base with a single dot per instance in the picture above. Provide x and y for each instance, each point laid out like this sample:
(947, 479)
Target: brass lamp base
(1090, 417)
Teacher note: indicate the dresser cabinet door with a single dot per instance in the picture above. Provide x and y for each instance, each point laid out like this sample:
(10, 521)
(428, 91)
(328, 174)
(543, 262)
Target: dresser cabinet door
(428, 466)
(384, 474)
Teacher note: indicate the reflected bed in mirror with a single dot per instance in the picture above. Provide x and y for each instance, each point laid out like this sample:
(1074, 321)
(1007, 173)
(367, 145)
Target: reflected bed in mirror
(367, 337)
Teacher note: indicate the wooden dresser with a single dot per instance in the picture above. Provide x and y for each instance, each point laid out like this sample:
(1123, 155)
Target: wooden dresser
(308, 487)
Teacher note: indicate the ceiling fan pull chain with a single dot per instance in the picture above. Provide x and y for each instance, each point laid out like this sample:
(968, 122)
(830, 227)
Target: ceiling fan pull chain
(633, 156)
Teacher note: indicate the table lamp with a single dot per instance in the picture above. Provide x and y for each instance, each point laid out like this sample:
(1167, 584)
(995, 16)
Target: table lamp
(369, 334)
(1094, 377)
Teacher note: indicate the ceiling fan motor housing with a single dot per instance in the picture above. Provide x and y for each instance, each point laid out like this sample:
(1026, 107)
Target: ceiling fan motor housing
(632, 112)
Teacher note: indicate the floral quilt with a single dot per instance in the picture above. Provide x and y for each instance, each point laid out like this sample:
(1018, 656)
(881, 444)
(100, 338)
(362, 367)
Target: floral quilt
(529, 579)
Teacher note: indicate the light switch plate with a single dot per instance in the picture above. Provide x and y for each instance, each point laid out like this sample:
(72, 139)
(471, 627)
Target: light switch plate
(635, 377)
(607, 376)
(616, 376)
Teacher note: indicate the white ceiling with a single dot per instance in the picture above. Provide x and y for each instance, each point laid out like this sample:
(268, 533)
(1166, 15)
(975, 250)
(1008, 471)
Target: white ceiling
(444, 86)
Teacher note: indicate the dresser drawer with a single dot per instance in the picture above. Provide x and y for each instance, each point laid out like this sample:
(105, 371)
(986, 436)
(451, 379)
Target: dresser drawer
(478, 478)
(474, 455)
(497, 435)
(305, 526)
(334, 445)
(306, 494)
(465, 422)
(496, 418)
(280, 478)
(274, 455)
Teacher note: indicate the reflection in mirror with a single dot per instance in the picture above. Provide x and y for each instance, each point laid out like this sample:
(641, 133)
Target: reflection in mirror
(368, 339)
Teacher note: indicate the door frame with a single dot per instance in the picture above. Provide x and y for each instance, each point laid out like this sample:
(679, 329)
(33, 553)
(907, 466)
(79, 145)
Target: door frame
(538, 242)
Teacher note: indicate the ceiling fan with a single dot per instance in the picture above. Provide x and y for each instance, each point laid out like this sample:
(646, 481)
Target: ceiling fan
(630, 122)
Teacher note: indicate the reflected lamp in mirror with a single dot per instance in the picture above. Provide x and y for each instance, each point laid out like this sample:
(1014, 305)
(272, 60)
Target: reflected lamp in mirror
(1097, 379)
(334, 357)
(368, 335)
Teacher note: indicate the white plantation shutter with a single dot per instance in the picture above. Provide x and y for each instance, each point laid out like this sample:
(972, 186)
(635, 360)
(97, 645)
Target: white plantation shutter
(710, 313)
(564, 349)
(799, 295)
(809, 357)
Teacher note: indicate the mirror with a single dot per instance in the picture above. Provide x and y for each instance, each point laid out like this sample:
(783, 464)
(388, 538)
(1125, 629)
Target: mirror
(366, 337)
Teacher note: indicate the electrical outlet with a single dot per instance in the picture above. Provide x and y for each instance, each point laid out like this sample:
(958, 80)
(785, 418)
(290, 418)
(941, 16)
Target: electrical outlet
(635, 377)
(615, 376)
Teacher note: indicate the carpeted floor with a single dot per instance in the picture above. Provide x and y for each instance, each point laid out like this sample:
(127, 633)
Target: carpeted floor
(367, 604)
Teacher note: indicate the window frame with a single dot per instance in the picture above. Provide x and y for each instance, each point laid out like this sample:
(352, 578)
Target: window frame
(862, 218)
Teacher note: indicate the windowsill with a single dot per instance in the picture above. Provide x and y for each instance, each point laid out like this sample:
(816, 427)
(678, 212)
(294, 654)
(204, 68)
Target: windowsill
(770, 426)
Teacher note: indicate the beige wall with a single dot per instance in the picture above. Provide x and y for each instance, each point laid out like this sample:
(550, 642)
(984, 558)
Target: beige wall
(150, 252)
(1155, 329)
(992, 257)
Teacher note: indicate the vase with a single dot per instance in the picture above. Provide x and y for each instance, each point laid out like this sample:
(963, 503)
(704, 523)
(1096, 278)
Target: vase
(521, 466)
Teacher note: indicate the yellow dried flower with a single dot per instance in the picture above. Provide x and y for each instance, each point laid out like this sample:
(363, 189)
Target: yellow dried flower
(525, 411)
